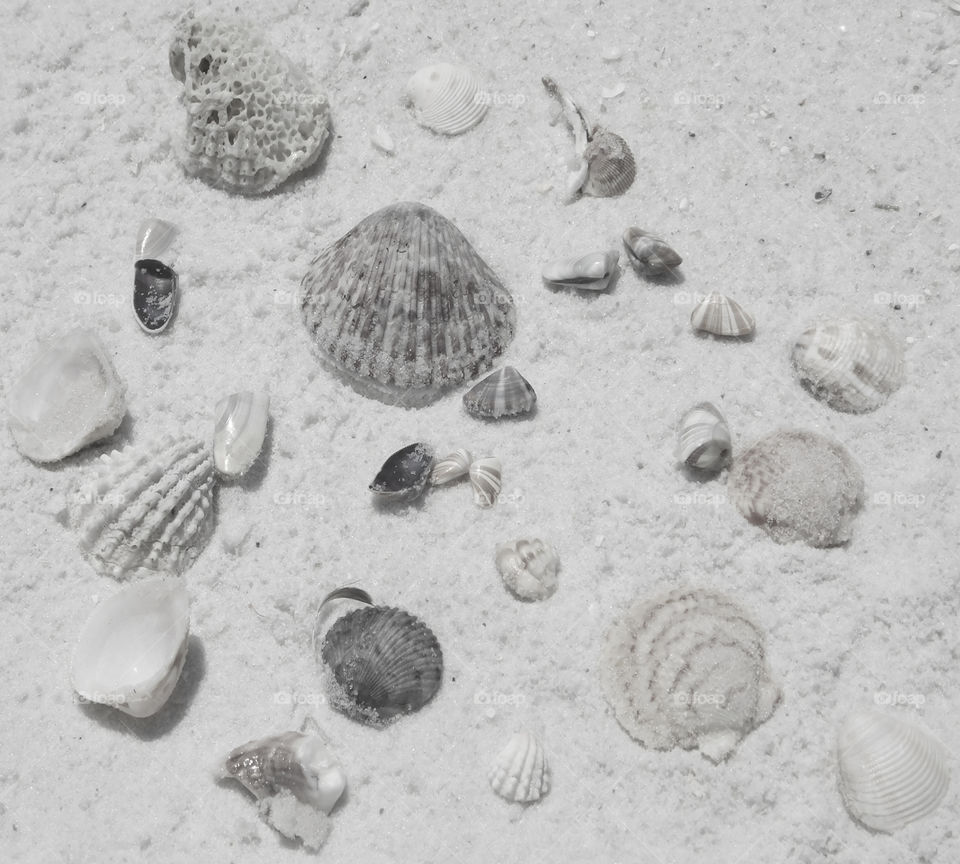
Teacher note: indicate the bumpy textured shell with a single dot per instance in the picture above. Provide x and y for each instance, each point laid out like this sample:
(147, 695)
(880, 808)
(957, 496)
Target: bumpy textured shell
(403, 306)
(528, 567)
(649, 254)
(891, 771)
(504, 393)
(384, 663)
(520, 772)
(852, 365)
(722, 316)
(610, 166)
(447, 99)
(798, 485)
(688, 669)
(253, 117)
(592, 272)
(703, 438)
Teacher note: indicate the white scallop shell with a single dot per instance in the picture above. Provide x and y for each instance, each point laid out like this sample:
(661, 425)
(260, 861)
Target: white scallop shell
(722, 316)
(504, 393)
(649, 254)
(451, 467)
(154, 237)
(520, 772)
(592, 272)
(238, 434)
(528, 567)
(703, 438)
(133, 647)
(446, 98)
(485, 478)
(892, 772)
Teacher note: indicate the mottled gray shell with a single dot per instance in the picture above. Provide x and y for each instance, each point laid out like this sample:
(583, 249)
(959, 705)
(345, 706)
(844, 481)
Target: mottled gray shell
(611, 168)
(504, 393)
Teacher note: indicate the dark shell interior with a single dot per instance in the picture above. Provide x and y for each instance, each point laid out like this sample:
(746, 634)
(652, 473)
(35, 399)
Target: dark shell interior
(154, 294)
(404, 475)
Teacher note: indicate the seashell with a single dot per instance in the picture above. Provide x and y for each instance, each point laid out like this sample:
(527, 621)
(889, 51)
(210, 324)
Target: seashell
(69, 397)
(384, 663)
(591, 272)
(154, 237)
(703, 438)
(451, 467)
(520, 772)
(688, 669)
(404, 307)
(648, 254)
(851, 364)
(404, 475)
(154, 295)
(145, 508)
(798, 485)
(485, 479)
(528, 567)
(722, 316)
(133, 647)
(254, 118)
(238, 435)
(504, 393)
(383, 141)
(447, 99)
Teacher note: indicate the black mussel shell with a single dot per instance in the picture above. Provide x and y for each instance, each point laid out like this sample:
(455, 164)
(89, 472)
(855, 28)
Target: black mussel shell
(154, 294)
(404, 475)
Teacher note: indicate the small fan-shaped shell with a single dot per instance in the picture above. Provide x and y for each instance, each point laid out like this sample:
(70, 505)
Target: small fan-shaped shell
(591, 272)
(504, 393)
(446, 98)
(722, 316)
(485, 478)
(892, 772)
(649, 254)
(528, 567)
(404, 475)
(703, 438)
(451, 467)
(611, 169)
(520, 772)
(239, 431)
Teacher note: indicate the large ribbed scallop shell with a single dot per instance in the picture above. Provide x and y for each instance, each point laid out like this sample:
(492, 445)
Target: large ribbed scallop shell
(384, 663)
(504, 393)
(722, 316)
(403, 306)
(852, 365)
(145, 508)
(798, 485)
(611, 168)
(520, 772)
(688, 669)
(703, 438)
(891, 771)
(446, 98)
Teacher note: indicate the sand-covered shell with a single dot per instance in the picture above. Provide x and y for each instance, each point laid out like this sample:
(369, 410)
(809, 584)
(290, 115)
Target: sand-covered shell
(650, 255)
(446, 98)
(703, 438)
(520, 772)
(239, 430)
(892, 772)
(451, 467)
(688, 669)
(133, 647)
(145, 508)
(504, 393)
(611, 168)
(798, 485)
(486, 480)
(591, 272)
(528, 567)
(722, 316)
(404, 307)
(405, 474)
(69, 397)
(384, 663)
(851, 364)
(154, 238)
(155, 287)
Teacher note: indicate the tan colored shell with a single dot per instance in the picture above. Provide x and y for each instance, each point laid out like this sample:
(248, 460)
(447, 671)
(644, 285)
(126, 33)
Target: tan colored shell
(722, 316)
(447, 99)
(611, 168)
(520, 772)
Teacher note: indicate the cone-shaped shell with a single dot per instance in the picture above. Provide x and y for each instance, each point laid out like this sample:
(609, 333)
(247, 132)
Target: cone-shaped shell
(703, 438)
(520, 772)
(403, 306)
(722, 316)
(446, 98)
(611, 169)
(649, 254)
(504, 393)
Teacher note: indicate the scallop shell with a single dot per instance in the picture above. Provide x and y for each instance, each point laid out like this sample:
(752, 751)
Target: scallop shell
(145, 508)
(722, 316)
(451, 467)
(133, 647)
(520, 772)
(404, 307)
(649, 254)
(592, 272)
(404, 475)
(528, 567)
(611, 168)
(155, 288)
(798, 485)
(504, 393)
(853, 365)
(384, 663)
(703, 438)
(447, 99)
(69, 397)
(154, 237)
(485, 478)
(688, 669)
(239, 431)
(892, 772)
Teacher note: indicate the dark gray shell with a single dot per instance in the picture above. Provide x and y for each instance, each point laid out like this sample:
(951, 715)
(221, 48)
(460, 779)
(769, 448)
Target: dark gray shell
(404, 475)
(504, 393)
(611, 168)
(154, 294)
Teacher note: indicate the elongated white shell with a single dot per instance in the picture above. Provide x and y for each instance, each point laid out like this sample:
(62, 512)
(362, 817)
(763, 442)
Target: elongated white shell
(892, 772)
(649, 254)
(239, 431)
(133, 647)
(592, 272)
(154, 237)
(703, 438)
(722, 316)
(504, 393)
(485, 478)
(451, 467)
(520, 772)
(528, 567)
(446, 98)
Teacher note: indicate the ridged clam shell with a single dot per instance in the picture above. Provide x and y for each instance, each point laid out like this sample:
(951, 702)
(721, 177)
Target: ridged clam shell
(238, 434)
(384, 663)
(404, 475)
(446, 98)
(145, 508)
(504, 393)
(520, 772)
(703, 438)
(402, 305)
(591, 272)
(611, 168)
(528, 567)
(485, 478)
(688, 669)
(155, 287)
(798, 485)
(892, 772)
(722, 316)
(650, 255)
(451, 467)
(154, 237)
(852, 365)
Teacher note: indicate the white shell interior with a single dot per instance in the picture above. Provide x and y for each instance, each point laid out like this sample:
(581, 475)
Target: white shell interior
(240, 429)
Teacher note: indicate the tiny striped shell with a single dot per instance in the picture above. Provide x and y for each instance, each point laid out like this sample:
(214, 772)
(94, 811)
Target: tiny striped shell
(504, 393)
(447, 99)
(723, 316)
(520, 772)
(485, 478)
(592, 272)
(611, 168)
(154, 237)
(649, 254)
(703, 438)
(451, 467)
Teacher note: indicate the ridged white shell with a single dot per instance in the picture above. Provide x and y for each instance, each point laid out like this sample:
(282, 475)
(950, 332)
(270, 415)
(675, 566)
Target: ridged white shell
(504, 393)
(485, 478)
(446, 98)
(649, 254)
(528, 567)
(520, 772)
(451, 467)
(703, 438)
(892, 772)
(592, 272)
(133, 647)
(722, 316)
(688, 669)
(238, 434)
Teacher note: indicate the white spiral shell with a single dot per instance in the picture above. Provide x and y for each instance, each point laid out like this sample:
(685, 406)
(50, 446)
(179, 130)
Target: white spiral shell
(451, 467)
(520, 772)
(703, 438)
(447, 99)
(485, 478)
(722, 316)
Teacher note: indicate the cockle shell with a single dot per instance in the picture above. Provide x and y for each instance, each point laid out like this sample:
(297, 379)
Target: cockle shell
(69, 397)
(528, 567)
(154, 237)
(892, 772)
(611, 168)
(485, 478)
(722, 316)
(404, 307)
(133, 647)
(155, 287)
(447, 99)
(592, 272)
(703, 438)
(404, 475)
(650, 255)
(451, 467)
(145, 508)
(520, 772)
(384, 663)
(852, 365)
(798, 485)
(238, 434)
(688, 669)
(504, 393)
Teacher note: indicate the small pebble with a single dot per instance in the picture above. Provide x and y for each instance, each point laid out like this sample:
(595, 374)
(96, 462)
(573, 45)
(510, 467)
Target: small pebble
(383, 141)
(613, 92)
(611, 54)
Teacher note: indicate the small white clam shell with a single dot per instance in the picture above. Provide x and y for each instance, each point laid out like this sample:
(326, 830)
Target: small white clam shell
(238, 434)
(451, 467)
(504, 393)
(520, 772)
(592, 272)
(133, 647)
(722, 316)
(485, 478)
(703, 438)
(383, 141)
(650, 255)
(154, 237)
(447, 99)
(528, 567)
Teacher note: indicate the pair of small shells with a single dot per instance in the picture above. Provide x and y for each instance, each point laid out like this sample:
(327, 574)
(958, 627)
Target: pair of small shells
(447, 98)
(485, 475)
(155, 284)
(504, 393)
(520, 772)
(528, 567)
(703, 438)
(592, 272)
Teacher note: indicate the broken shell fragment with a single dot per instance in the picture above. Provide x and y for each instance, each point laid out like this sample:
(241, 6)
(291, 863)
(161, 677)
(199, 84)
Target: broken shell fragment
(447, 99)
(703, 438)
(451, 467)
(592, 272)
(520, 772)
(404, 475)
(486, 481)
(528, 567)
(722, 316)
(504, 393)
(650, 255)
(154, 237)
(238, 434)
(154, 295)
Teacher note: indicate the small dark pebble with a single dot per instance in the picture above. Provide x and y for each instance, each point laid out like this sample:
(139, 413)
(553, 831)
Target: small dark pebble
(939, 453)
